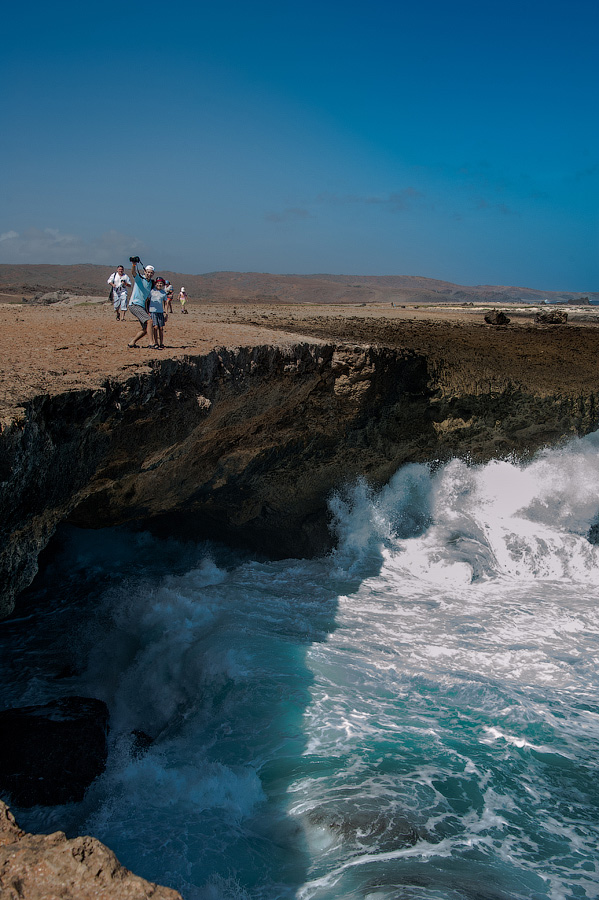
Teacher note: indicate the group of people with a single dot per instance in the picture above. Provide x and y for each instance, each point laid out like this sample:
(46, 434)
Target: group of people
(151, 300)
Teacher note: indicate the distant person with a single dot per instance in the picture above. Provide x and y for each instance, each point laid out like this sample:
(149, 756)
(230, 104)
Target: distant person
(183, 300)
(120, 282)
(156, 302)
(169, 296)
(142, 286)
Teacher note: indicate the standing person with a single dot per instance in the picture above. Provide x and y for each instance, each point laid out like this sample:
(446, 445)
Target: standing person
(120, 282)
(156, 308)
(142, 285)
(183, 300)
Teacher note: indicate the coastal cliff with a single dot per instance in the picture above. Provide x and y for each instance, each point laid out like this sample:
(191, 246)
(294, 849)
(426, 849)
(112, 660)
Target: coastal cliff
(246, 444)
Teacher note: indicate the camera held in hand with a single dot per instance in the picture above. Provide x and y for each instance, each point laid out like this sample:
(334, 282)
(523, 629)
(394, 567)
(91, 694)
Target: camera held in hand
(134, 259)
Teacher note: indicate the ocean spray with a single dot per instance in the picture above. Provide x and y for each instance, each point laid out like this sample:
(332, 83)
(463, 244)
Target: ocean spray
(414, 716)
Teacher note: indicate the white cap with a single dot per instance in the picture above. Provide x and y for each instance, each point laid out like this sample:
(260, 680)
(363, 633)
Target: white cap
(149, 268)
(182, 289)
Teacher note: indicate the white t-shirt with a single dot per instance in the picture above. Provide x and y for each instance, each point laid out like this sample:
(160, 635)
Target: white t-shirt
(120, 283)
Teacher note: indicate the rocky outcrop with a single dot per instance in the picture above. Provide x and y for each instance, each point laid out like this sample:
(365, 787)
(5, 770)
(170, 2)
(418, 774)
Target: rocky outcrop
(497, 317)
(553, 317)
(52, 753)
(48, 866)
(245, 445)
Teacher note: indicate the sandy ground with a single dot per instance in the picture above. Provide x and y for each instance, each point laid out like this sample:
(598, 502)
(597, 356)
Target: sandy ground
(78, 343)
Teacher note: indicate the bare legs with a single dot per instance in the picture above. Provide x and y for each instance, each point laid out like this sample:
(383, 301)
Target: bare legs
(139, 335)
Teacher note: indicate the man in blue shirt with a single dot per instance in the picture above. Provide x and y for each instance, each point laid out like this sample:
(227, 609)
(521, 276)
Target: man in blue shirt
(142, 285)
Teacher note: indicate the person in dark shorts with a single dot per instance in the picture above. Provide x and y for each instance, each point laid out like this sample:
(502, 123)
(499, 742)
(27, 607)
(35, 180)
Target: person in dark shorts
(156, 309)
(142, 285)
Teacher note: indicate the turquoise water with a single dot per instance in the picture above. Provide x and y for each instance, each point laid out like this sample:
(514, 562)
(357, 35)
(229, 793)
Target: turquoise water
(414, 716)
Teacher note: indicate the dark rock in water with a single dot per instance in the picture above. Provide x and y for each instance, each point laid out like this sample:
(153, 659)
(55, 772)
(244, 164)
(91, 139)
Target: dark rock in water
(593, 535)
(364, 827)
(496, 317)
(141, 743)
(51, 754)
(555, 317)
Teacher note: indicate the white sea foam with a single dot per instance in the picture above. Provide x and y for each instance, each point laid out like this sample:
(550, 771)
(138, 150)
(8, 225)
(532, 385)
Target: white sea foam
(416, 716)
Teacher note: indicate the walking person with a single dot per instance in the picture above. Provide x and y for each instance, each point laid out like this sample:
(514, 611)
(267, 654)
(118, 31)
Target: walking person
(120, 282)
(169, 296)
(183, 300)
(142, 286)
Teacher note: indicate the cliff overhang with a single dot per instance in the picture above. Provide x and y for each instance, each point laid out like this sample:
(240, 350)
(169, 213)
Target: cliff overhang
(247, 444)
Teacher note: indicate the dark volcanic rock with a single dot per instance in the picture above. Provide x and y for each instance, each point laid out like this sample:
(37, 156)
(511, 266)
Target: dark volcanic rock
(555, 317)
(51, 754)
(496, 317)
(141, 743)
(593, 535)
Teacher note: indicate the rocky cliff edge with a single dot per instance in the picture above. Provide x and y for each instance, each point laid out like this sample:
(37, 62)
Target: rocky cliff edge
(246, 444)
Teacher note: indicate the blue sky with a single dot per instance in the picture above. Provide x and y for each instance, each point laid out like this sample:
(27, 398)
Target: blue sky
(451, 140)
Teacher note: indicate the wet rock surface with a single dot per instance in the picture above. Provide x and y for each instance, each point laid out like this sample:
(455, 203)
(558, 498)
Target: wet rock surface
(50, 754)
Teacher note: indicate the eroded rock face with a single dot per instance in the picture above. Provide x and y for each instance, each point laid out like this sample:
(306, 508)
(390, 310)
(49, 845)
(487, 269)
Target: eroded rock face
(553, 317)
(50, 754)
(245, 445)
(40, 866)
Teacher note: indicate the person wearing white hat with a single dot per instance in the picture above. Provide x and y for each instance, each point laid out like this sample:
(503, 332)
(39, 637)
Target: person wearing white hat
(142, 286)
(183, 300)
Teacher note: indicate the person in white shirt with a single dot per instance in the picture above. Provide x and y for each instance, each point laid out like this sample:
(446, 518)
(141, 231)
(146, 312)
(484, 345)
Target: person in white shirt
(120, 282)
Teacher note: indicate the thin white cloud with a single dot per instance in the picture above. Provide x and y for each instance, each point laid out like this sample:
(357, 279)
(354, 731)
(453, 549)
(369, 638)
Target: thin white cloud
(49, 245)
(397, 201)
(288, 215)
(589, 172)
(483, 204)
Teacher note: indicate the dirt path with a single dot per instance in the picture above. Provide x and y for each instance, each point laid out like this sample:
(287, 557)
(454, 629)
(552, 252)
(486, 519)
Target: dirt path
(78, 343)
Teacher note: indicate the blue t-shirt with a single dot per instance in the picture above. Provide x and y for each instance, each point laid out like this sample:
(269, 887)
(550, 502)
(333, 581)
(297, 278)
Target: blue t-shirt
(157, 300)
(141, 290)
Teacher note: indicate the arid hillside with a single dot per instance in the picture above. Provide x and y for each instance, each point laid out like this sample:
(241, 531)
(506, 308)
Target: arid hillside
(31, 282)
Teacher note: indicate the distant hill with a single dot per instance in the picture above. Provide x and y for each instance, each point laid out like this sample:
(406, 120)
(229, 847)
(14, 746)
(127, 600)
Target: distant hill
(27, 281)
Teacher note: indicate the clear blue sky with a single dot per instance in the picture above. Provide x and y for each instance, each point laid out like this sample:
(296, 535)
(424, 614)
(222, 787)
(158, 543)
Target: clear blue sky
(453, 140)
